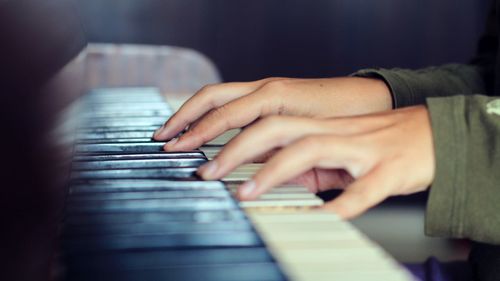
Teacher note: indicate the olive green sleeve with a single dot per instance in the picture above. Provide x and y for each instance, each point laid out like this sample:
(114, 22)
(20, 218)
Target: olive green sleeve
(412, 87)
(464, 198)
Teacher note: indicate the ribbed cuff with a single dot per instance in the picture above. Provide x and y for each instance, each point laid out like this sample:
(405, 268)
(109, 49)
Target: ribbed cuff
(402, 94)
(445, 206)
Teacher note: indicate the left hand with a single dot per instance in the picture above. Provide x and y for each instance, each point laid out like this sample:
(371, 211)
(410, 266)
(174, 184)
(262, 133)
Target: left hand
(371, 157)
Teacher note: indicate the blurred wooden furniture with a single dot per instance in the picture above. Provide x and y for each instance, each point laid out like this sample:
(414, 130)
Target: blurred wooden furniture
(178, 72)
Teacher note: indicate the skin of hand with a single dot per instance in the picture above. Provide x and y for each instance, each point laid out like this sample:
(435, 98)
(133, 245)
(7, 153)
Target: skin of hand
(218, 108)
(370, 157)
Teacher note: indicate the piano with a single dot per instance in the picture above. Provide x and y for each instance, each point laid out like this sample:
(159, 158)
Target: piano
(125, 209)
(135, 212)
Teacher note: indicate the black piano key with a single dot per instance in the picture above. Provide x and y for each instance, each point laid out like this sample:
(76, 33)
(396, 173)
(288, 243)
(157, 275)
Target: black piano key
(171, 194)
(123, 111)
(143, 113)
(174, 241)
(156, 228)
(142, 156)
(125, 119)
(155, 217)
(166, 258)
(115, 135)
(120, 147)
(231, 272)
(124, 185)
(114, 113)
(136, 122)
(83, 141)
(152, 205)
(138, 163)
(117, 129)
(153, 173)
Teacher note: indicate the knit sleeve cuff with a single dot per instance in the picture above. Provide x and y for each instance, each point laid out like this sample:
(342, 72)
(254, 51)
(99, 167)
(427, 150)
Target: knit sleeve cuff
(445, 206)
(401, 92)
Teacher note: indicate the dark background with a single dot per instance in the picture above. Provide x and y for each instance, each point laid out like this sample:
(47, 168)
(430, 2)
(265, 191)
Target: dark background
(253, 39)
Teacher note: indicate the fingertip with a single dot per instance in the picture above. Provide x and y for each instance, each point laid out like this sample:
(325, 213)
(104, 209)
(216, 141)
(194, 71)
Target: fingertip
(330, 209)
(162, 133)
(208, 171)
(247, 191)
(156, 135)
(170, 145)
(343, 212)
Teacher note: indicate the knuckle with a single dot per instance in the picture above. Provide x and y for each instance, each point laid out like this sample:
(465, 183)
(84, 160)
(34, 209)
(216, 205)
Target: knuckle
(277, 86)
(313, 145)
(206, 94)
(219, 112)
(195, 135)
(220, 116)
(363, 197)
(270, 79)
(207, 88)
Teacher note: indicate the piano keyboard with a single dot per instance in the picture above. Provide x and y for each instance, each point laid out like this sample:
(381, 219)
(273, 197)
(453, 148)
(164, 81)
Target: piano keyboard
(135, 212)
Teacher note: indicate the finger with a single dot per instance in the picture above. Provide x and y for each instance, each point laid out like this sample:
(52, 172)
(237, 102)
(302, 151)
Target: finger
(353, 125)
(265, 156)
(364, 193)
(258, 139)
(207, 98)
(234, 114)
(296, 159)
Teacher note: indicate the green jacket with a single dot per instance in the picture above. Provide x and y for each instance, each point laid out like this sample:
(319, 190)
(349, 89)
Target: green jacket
(464, 105)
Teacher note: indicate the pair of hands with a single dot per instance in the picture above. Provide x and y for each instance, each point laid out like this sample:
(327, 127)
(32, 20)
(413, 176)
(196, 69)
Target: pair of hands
(323, 133)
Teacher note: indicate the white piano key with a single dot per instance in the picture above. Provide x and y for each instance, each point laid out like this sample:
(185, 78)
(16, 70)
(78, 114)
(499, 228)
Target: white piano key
(283, 189)
(242, 173)
(210, 152)
(316, 245)
(281, 203)
(287, 196)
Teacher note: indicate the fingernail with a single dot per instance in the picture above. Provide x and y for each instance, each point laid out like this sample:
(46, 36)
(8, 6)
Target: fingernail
(247, 188)
(171, 143)
(208, 170)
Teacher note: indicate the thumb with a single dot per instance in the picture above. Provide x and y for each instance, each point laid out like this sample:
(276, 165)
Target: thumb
(364, 193)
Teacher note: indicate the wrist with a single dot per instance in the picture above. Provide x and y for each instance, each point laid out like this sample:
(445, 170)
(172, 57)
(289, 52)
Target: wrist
(366, 95)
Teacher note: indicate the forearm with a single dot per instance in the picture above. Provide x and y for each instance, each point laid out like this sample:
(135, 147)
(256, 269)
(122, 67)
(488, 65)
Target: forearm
(348, 96)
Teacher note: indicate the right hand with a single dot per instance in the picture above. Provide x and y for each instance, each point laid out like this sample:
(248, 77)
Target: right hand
(217, 108)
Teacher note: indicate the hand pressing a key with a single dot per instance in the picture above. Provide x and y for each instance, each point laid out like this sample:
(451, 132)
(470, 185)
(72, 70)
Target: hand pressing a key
(371, 157)
(218, 108)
